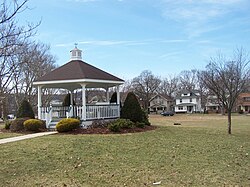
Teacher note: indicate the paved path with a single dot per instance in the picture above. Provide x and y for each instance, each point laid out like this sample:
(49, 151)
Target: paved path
(28, 136)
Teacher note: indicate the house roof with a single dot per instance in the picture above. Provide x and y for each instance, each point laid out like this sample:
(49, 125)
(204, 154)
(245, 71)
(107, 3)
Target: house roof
(164, 96)
(77, 69)
(192, 92)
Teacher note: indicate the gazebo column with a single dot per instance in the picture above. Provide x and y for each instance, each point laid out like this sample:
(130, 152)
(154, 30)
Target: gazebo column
(83, 102)
(118, 99)
(39, 101)
(107, 94)
(71, 97)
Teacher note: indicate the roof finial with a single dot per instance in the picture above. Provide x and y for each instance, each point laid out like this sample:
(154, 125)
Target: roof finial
(76, 45)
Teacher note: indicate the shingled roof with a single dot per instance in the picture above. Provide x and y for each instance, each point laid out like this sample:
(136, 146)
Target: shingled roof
(77, 69)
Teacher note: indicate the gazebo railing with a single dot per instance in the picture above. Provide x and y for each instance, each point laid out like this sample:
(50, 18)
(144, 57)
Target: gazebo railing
(92, 112)
(102, 111)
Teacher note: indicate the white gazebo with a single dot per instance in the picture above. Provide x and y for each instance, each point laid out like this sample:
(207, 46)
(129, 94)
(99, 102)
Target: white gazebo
(77, 74)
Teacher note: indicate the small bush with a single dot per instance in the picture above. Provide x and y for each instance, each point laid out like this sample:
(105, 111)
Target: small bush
(33, 125)
(119, 124)
(17, 124)
(100, 123)
(140, 124)
(7, 124)
(114, 127)
(66, 125)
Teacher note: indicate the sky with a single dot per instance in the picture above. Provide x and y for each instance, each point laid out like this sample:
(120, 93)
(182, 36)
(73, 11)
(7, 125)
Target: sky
(126, 37)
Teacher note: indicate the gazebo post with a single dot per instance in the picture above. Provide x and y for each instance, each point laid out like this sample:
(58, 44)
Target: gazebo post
(39, 101)
(107, 94)
(71, 97)
(83, 102)
(118, 99)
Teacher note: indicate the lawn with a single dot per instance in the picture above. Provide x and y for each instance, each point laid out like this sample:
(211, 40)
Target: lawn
(6, 134)
(197, 153)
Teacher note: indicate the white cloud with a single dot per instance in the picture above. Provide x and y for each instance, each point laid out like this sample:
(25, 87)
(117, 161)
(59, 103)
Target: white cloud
(199, 17)
(119, 42)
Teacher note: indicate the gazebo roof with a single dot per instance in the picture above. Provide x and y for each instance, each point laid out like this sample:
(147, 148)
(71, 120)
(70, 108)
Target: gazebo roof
(76, 72)
(77, 69)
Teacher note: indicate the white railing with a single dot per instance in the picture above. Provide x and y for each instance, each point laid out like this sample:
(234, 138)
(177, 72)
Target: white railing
(102, 111)
(92, 112)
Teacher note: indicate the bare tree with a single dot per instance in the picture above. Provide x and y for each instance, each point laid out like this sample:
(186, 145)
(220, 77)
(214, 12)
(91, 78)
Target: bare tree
(145, 85)
(227, 78)
(12, 35)
(34, 62)
(188, 79)
(169, 86)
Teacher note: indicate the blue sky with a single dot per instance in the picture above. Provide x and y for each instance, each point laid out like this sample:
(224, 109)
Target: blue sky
(125, 37)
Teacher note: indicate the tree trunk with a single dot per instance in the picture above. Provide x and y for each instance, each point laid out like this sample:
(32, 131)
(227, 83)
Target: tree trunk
(229, 119)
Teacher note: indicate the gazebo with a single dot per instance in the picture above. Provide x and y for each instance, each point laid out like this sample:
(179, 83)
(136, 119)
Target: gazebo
(77, 74)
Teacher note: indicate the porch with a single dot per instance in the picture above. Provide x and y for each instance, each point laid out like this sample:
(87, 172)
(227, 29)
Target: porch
(93, 112)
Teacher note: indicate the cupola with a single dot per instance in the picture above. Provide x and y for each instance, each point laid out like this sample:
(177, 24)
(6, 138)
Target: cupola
(76, 54)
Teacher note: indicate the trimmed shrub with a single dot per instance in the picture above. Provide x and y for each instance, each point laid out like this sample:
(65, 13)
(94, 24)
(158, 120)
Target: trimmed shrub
(131, 109)
(17, 124)
(145, 118)
(113, 98)
(25, 110)
(66, 101)
(67, 124)
(7, 124)
(119, 124)
(33, 125)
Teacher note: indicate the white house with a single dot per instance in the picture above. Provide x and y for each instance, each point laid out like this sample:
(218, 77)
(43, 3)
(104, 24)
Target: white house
(188, 102)
(160, 103)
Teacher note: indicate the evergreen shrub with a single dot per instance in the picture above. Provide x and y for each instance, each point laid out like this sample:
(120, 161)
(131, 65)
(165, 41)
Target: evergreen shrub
(113, 98)
(131, 108)
(25, 110)
(67, 124)
(33, 125)
(66, 101)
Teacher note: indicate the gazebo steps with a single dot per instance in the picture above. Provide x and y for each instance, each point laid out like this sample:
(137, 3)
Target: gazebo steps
(52, 124)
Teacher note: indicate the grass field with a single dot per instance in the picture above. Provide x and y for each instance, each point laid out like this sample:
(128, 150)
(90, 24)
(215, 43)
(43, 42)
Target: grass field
(197, 153)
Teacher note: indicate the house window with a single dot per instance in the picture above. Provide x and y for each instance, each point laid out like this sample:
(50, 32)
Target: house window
(190, 100)
(180, 108)
(180, 100)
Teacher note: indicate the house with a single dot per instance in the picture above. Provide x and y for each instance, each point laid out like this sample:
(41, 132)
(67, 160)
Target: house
(212, 104)
(243, 102)
(74, 76)
(160, 103)
(188, 102)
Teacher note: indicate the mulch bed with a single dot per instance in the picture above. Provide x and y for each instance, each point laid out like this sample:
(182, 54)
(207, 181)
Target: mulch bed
(104, 130)
(96, 130)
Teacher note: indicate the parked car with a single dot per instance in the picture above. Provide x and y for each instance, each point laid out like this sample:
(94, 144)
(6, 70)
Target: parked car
(167, 113)
(11, 116)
